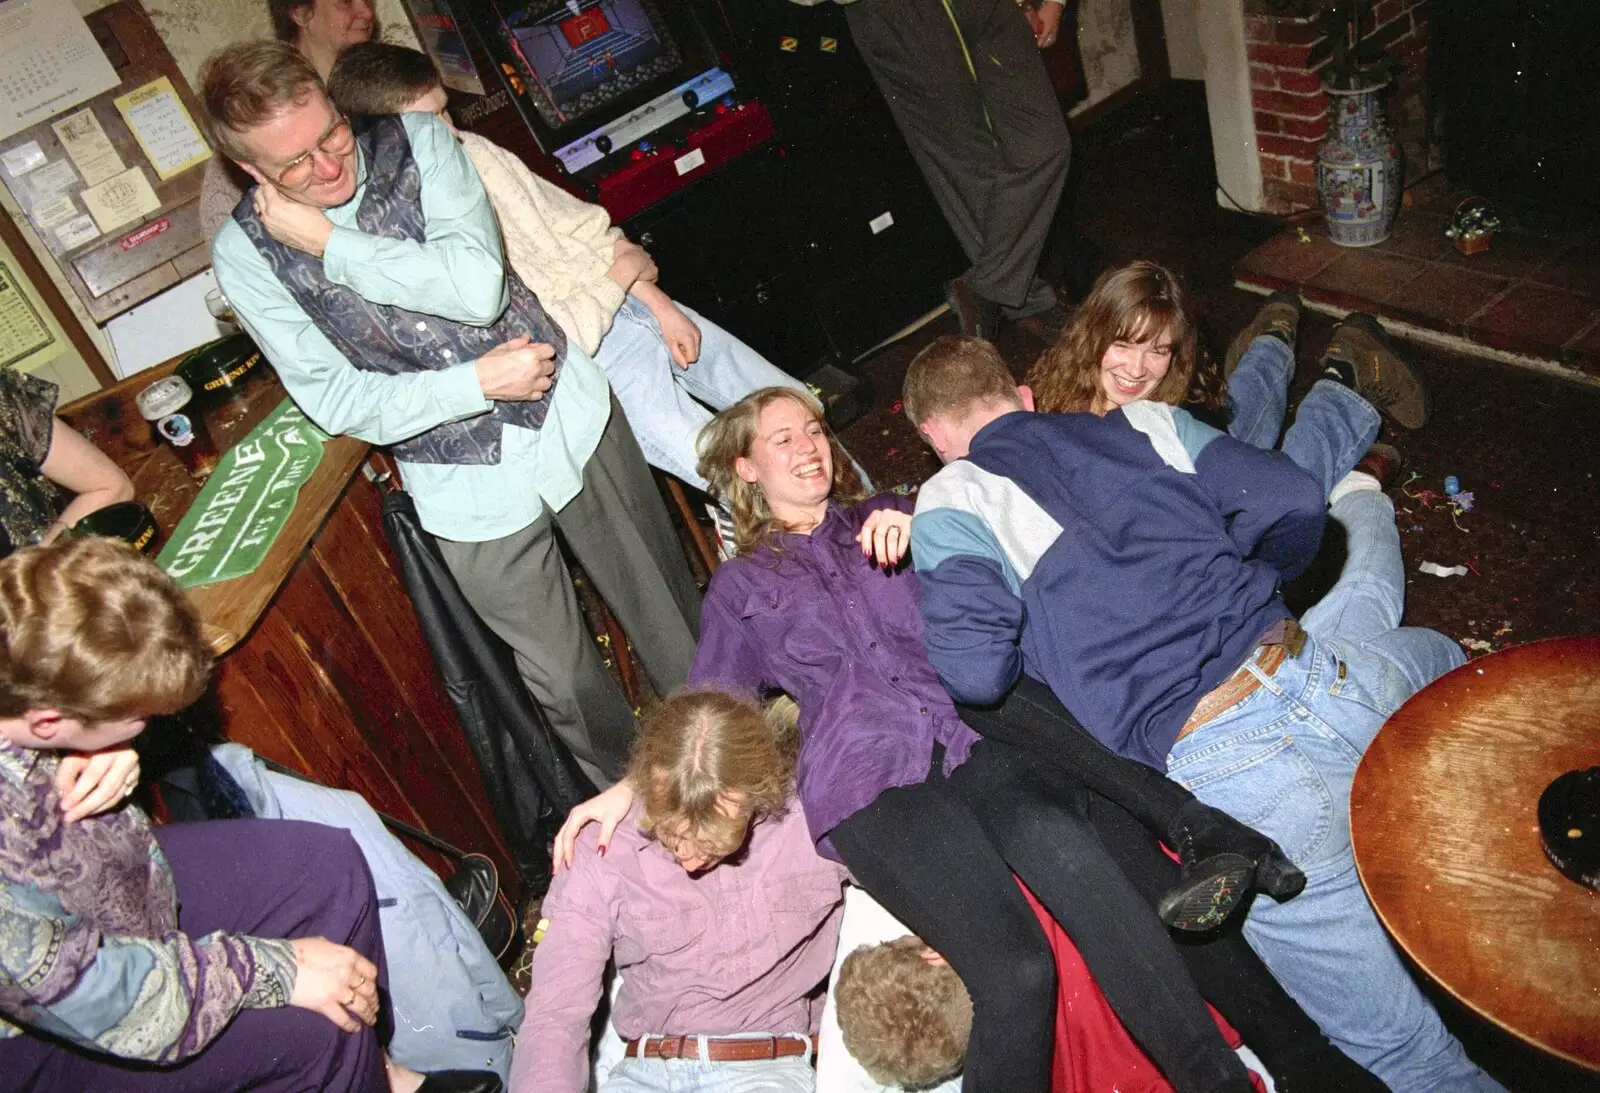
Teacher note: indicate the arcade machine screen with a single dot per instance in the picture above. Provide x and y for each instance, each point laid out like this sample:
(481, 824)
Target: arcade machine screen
(581, 58)
(601, 74)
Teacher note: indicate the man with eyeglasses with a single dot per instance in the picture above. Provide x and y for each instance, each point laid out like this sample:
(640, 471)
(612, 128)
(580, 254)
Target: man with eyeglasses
(367, 264)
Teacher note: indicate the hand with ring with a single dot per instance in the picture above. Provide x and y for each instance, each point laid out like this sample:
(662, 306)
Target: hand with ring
(335, 981)
(885, 537)
(89, 783)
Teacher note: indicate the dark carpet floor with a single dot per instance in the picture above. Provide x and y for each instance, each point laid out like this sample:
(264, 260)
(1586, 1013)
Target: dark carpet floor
(1518, 441)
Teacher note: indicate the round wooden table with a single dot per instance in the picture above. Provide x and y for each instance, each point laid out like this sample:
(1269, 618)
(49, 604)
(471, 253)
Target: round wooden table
(1443, 817)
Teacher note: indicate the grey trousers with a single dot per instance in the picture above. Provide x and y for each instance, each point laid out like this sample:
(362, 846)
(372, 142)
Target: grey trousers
(619, 530)
(998, 188)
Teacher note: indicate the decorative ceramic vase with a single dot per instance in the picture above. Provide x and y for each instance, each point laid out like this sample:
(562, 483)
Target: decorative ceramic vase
(1359, 170)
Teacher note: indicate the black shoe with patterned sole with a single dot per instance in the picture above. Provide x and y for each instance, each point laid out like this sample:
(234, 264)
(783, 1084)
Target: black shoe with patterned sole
(1208, 893)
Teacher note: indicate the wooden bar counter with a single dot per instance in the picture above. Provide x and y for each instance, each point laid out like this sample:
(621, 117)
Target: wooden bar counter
(321, 664)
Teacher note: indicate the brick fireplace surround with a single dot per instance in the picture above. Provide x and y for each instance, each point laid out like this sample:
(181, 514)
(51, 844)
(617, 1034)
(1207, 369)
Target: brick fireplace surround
(1291, 109)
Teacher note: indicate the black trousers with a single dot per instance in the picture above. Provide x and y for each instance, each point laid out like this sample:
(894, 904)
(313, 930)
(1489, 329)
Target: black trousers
(1033, 719)
(1130, 806)
(940, 855)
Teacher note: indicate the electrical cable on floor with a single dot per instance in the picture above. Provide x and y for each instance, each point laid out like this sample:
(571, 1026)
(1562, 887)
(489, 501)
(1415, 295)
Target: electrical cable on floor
(1294, 216)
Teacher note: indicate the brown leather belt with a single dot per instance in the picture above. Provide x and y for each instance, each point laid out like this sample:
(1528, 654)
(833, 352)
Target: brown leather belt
(723, 1049)
(1277, 645)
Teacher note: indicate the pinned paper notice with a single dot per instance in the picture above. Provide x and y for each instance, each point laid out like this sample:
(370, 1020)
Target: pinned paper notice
(77, 231)
(164, 128)
(86, 142)
(23, 158)
(119, 200)
(47, 214)
(22, 330)
(52, 178)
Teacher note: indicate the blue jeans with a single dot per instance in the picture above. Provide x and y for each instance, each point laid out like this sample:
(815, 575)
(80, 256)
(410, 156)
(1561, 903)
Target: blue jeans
(667, 405)
(695, 1075)
(1282, 760)
(1332, 429)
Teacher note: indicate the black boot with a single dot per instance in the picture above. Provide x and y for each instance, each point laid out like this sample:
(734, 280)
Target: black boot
(977, 316)
(1221, 857)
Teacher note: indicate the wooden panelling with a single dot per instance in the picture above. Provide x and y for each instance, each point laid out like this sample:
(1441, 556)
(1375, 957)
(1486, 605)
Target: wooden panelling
(323, 667)
(353, 544)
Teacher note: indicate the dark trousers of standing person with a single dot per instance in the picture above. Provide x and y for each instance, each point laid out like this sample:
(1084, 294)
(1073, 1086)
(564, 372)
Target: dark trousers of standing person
(619, 530)
(990, 139)
(265, 878)
(939, 855)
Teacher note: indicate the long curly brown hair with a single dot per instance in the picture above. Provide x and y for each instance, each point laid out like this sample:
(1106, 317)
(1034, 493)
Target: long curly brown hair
(1132, 303)
(730, 435)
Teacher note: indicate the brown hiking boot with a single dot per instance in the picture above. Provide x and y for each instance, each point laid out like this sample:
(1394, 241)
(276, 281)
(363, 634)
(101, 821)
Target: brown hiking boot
(1382, 376)
(1280, 315)
(1383, 462)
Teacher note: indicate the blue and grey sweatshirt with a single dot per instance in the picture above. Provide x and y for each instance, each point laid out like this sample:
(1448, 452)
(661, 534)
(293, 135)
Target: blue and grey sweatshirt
(1130, 562)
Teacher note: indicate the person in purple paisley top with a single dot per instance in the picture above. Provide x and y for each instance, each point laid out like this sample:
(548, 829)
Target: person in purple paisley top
(193, 957)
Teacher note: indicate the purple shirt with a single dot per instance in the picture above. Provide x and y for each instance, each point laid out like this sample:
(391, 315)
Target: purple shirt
(739, 948)
(844, 640)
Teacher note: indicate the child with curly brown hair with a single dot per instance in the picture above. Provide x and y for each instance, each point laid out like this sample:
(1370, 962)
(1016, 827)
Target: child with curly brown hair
(903, 1011)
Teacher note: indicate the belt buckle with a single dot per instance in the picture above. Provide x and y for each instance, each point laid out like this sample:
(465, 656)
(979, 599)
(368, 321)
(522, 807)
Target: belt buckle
(675, 1052)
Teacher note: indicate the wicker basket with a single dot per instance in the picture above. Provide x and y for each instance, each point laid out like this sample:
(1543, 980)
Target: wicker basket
(1477, 242)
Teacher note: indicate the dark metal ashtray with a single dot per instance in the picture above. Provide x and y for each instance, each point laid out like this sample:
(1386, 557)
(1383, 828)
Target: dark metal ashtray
(1569, 824)
(126, 520)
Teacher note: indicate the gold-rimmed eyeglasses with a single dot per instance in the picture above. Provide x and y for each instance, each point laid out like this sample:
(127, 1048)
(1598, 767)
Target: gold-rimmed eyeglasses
(336, 141)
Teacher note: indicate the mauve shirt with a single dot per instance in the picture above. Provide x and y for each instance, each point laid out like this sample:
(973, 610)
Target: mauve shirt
(742, 947)
(844, 639)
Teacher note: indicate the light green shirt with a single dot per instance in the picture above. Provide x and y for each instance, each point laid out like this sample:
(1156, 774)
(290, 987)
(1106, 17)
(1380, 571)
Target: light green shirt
(457, 273)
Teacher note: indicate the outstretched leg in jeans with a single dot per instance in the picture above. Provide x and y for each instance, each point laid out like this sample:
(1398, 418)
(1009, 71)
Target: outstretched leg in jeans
(1283, 761)
(1258, 392)
(1333, 426)
(1362, 611)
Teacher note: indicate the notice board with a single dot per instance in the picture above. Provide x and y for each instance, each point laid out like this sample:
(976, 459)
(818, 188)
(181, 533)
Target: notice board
(112, 184)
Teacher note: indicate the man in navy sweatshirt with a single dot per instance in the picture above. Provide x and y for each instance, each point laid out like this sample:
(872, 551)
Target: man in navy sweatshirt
(1133, 562)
